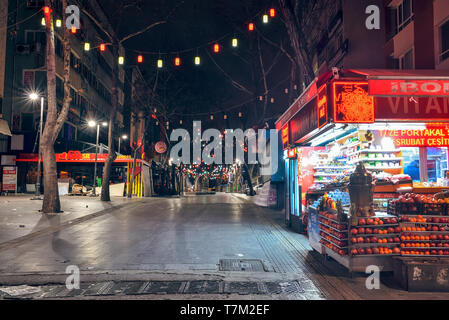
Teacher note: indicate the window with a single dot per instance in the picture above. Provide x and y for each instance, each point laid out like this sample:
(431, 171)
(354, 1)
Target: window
(406, 61)
(404, 14)
(27, 122)
(444, 35)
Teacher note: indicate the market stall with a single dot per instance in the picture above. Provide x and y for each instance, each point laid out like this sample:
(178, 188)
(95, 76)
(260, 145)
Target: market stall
(393, 126)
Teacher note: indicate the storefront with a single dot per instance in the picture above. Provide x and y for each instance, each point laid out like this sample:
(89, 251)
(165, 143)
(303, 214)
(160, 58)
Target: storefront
(396, 124)
(75, 167)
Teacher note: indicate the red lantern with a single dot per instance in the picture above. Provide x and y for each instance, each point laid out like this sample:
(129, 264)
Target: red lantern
(140, 59)
(177, 61)
(74, 30)
(251, 27)
(272, 12)
(102, 47)
(47, 10)
(216, 48)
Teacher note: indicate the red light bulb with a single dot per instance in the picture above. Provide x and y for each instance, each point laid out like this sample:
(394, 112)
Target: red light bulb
(272, 12)
(140, 59)
(102, 47)
(251, 27)
(177, 61)
(216, 48)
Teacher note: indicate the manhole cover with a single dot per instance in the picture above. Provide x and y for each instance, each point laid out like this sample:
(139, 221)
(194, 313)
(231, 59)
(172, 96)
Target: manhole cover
(205, 287)
(244, 288)
(242, 265)
(163, 287)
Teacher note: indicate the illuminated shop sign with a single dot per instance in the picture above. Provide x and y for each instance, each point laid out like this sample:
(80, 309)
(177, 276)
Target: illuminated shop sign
(409, 88)
(412, 108)
(292, 153)
(352, 103)
(285, 137)
(322, 105)
(430, 137)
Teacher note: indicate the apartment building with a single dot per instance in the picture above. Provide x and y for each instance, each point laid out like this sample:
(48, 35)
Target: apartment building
(25, 71)
(417, 34)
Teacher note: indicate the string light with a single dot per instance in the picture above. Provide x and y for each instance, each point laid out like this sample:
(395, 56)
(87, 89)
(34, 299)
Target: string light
(177, 61)
(47, 10)
(102, 47)
(180, 121)
(160, 63)
(272, 12)
(225, 117)
(197, 61)
(87, 46)
(235, 42)
(212, 117)
(121, 60)
(265, 18)
(251, 26)
(216, 48)
(155, 110)
(139, 59)
(240, 114)
(58, 23)
(74, 29)
(43, 22)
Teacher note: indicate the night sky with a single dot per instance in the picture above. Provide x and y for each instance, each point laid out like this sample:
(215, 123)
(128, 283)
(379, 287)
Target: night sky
(195, 92)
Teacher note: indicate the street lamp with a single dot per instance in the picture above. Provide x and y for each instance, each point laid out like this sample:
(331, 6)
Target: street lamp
(34, 96)
(124, 137)
(92, 124)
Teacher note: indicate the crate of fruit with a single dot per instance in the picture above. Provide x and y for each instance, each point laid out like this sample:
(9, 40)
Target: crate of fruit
(434, 209)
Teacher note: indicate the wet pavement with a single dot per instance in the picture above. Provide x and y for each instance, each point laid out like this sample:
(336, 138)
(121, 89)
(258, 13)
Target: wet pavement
(196, 246)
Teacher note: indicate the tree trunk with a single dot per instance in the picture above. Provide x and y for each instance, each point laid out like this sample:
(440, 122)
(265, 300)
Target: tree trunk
(54, 121)
(105, 192)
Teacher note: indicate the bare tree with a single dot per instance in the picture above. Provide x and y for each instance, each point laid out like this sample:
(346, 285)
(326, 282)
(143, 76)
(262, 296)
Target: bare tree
(291, 10)
(116, 43)
(55, 120)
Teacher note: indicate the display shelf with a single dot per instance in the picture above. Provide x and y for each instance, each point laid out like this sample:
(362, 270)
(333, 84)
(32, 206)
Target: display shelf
(369, 245)
(335, 221)
(384, 168)
(336, 238)
(424, 255)
(328, 174)
(377, 235)
(374, 159)
(341, 231)
(377, 226)
(324, 239)
(343, 260)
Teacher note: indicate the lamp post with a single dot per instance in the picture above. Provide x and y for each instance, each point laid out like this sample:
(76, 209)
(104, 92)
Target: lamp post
(34, 96)
(93, 124)
(124, 137)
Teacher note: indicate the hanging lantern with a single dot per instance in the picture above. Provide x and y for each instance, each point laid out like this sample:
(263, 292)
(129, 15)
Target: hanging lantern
(160, 63)
(272, 100)
(139, 59)
(74, 30)
(121, 60)
(177, 61)
(286, 90)
(240, 114)
(155, 110)
(212, 117)
(251, 26)
(265, 18)
(216, 48)
(87, 46)
(225, 117)
(197, 61)
(47, 10)
(102, 47)
(295, 87)
(272, 12)
(58, 23)
(261, 98)
(43, 22)
(157, 123)
(180, 121)
(235, 42)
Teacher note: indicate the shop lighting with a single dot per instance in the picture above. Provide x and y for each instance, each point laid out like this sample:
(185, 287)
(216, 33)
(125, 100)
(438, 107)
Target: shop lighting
(388, 144)
(160, 63)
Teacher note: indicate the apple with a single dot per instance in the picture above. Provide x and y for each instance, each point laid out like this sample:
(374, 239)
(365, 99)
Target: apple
(354, 252)
(362, 230)
(362, 251)
(376, 251)
(369, 251)
(362, 222)
(440, 252)
(433, 252)
(390, 230)
(397, 230)
(368, 231)
(370, 222)
(354, 231)
(354, 240)
(360, 240)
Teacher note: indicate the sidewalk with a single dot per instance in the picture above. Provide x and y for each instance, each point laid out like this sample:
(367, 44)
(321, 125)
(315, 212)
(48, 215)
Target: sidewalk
(20, 216)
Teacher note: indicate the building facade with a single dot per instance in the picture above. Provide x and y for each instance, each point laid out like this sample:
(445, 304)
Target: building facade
(25, 72)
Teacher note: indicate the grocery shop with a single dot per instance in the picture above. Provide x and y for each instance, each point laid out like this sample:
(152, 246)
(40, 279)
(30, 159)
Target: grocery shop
(366, 165)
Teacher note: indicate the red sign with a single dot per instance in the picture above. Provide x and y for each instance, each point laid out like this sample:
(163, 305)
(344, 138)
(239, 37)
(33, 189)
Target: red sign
(412, 108)
(308, 95)
(160, 147)
(430, 137)
(352, 103)
(292, 153)
(285, 137)
(409, 88)
(322, 106)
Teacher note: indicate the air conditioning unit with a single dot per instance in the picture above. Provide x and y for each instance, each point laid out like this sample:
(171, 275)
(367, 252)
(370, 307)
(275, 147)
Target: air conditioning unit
(35, 4)
(23, 49)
